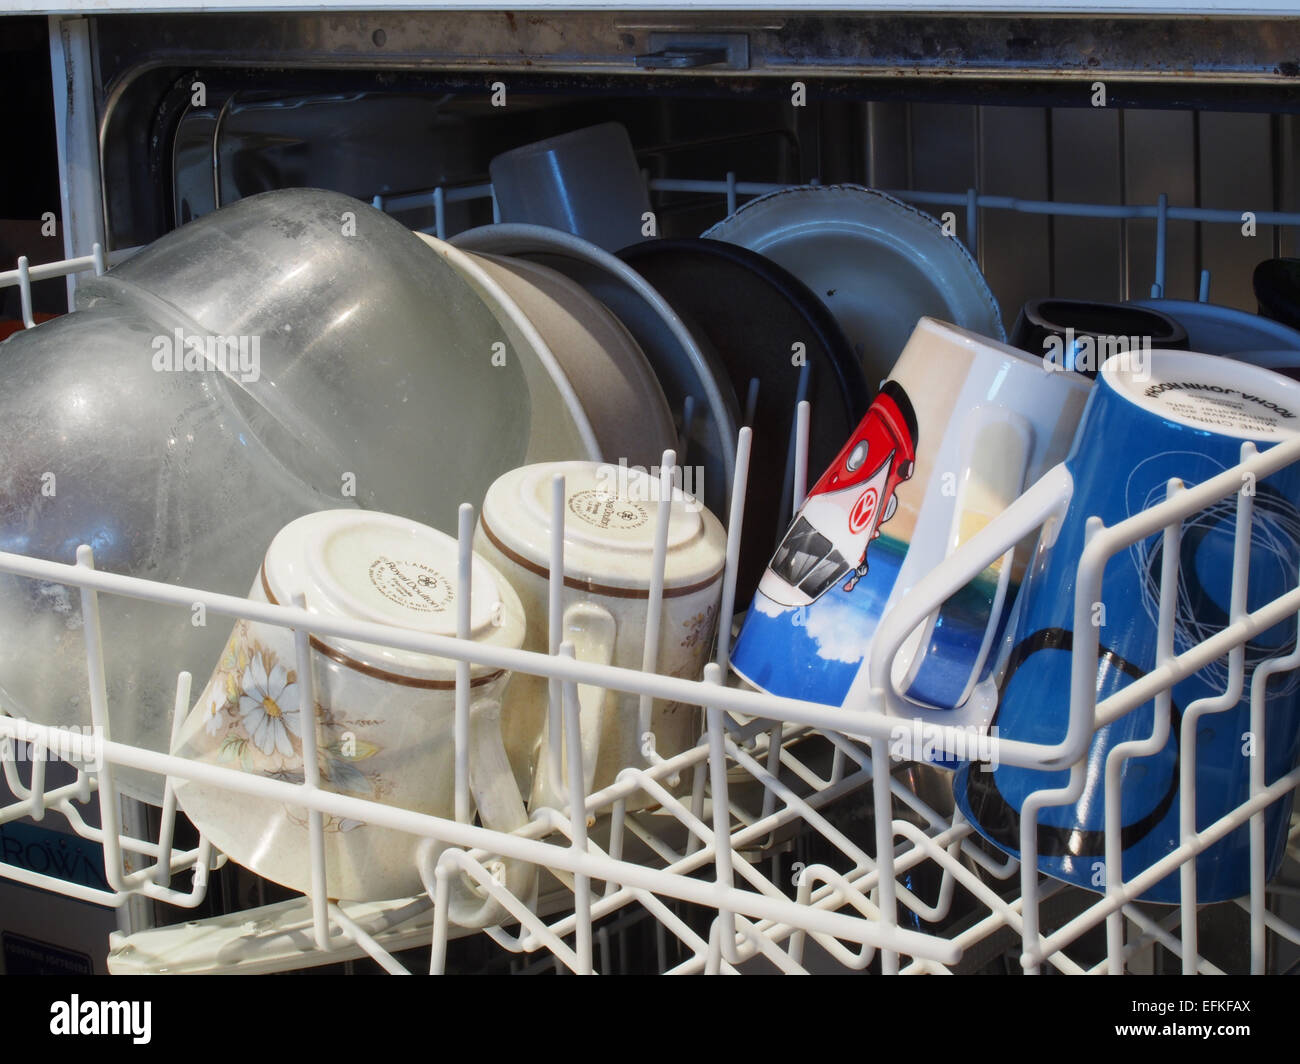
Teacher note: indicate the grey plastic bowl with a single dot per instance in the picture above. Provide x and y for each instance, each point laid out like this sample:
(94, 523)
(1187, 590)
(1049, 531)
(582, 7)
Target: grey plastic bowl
(586, 182)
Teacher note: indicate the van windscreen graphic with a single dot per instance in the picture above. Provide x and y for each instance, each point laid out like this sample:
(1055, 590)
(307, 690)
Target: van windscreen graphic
(807, 561)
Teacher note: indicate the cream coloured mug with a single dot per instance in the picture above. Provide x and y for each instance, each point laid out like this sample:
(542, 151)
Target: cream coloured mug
(610, 521)
(384, 717)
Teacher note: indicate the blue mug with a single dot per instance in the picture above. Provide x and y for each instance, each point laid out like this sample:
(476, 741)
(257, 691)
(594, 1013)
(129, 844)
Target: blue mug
(1186, 419)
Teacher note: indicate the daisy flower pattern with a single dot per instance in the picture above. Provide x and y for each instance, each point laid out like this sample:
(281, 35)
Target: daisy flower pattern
(252, 710)
(268, 707)
(215, 721)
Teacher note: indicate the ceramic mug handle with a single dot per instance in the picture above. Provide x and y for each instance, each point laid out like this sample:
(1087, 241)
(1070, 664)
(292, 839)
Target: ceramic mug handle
(593, 630)
(1044, 504)
(500, 808)
(998, 444)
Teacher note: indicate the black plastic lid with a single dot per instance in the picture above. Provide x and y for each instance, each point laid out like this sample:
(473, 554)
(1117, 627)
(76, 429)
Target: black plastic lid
(1041, 320)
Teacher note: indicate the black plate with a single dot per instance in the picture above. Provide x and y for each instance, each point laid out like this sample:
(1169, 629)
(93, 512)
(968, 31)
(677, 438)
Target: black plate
(753, 312)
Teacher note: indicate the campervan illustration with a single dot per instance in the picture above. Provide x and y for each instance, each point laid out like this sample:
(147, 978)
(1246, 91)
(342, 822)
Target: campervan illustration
(845, 509)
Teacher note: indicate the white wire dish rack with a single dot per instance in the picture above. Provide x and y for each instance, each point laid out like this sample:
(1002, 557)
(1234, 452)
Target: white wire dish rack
(798, 842)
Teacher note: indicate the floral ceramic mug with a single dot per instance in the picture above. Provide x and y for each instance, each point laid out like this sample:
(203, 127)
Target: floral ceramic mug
(611, 514)
(384, 717)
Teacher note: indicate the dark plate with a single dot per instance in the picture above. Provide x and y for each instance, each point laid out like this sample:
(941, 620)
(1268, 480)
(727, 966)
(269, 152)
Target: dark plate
(753, 312)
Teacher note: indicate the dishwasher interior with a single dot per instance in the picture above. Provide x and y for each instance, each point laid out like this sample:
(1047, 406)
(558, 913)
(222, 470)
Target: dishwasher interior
(1073, 157)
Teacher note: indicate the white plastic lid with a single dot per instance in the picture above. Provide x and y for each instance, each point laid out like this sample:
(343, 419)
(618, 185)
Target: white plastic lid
(387, 570)
(1213, 393)
(611, 515)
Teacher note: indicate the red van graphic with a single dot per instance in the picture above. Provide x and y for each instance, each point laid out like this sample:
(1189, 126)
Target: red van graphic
(846, 507)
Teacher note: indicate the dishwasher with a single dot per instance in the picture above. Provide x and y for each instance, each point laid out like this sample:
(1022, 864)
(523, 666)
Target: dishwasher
(1146, 154)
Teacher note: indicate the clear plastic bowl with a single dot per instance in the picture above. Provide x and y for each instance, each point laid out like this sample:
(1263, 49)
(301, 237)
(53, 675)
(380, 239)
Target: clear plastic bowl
(381, 380)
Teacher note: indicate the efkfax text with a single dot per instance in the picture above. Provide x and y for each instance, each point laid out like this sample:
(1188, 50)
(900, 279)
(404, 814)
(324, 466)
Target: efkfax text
(638, 484)
(916, 741)
(1203, 1031)
(1187, 1005)
(81, 745)
(235, 356)
(1086, 354)
(78, 1017)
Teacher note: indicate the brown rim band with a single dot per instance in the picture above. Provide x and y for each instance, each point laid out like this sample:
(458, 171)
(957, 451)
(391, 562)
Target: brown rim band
(338, 656)
(588, 585)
